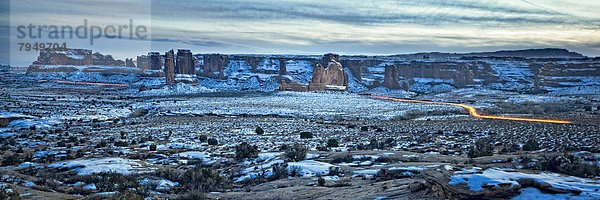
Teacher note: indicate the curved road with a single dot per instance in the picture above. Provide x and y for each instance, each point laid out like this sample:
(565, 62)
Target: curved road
(472, 110)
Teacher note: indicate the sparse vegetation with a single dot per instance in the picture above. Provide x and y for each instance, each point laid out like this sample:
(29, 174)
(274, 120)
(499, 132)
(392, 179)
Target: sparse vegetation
(482, 147)
(245, 151)
(296, 153)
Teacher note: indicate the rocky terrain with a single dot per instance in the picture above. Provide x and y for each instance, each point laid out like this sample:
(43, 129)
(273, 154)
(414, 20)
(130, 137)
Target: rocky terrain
(77, 125)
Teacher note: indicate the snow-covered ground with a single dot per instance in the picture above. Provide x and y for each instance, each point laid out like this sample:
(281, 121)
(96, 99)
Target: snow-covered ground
(97, 165)
(495, 176)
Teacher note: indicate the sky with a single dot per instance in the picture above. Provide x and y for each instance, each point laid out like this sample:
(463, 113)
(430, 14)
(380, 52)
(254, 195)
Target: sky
(316, 27)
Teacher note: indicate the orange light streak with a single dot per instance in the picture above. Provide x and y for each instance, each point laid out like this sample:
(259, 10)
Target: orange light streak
(472, 110)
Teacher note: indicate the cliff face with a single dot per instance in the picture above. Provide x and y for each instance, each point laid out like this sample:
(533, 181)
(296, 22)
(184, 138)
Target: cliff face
(355, 68)
(391, 78)
(461, 73)
(563, 74)
(76, 57)
(143, 62)
(185, 70)
(332, 78)
(107, 60)
(155, 60)
(169, 67)
(129, 62)
(214, 65)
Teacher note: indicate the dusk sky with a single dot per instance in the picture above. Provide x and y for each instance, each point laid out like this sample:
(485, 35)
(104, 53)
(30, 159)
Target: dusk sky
(344, 27)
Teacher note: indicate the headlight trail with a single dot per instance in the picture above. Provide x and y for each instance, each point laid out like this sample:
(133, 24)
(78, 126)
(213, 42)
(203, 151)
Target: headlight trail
(472, 110)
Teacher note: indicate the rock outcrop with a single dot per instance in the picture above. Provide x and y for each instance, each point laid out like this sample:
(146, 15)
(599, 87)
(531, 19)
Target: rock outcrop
(143, 62)
(79, 60)
(330, 78)
(355, 68)
(282, 67)
(129, 62)
(292, 86)
(390, 79)
(185, 70)
(155, 60)
(169, 68)
(460, 74)
(77, 57)
(106, 60)
(213, 66)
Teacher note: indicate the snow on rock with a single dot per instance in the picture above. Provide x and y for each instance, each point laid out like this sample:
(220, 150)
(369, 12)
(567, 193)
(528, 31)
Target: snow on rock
(97, 165)
(177, 89)
(534, 193)
(90, 187)
(414, 168)
(309, 168)
(495, 176)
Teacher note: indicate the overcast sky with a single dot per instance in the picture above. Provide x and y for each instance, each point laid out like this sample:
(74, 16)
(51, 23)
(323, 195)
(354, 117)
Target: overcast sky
(345, 27)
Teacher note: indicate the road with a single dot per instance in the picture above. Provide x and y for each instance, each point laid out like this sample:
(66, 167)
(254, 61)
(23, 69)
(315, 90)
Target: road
(472, 110)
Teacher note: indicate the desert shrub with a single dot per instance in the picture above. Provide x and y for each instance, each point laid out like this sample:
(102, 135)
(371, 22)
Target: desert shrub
(342, 159)
(129, 195)
(332, 142)
(321, 181)
(213, 141)
(8, 193)
(482, 147)
(284, 147)
(259, 130)
(296, 153)
(153, 147)
(335, 171)
(202, 179)
(294, 171)
(245, 150)
(12, 159)
(322, 148)
(566, 164)
(306, 135)
(121, 143)
(203, 138)
(109, 181)
(531, 145)
(279, 171)
(192, 195)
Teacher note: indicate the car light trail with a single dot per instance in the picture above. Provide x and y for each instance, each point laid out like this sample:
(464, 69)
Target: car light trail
(472, 110)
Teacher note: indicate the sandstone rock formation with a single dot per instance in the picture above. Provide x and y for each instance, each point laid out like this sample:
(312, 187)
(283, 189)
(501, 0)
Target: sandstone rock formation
(293, 86)
(169, 67)
(76, 57)
(143, 62)
(129, 62)
(214, 64)
(155, 60)
(554, 74)
(333, 77)
(282, 67)
(391, 78)
(106, 60)
(460, 74)
(355, 68)
(71, 60)
(185, 70)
